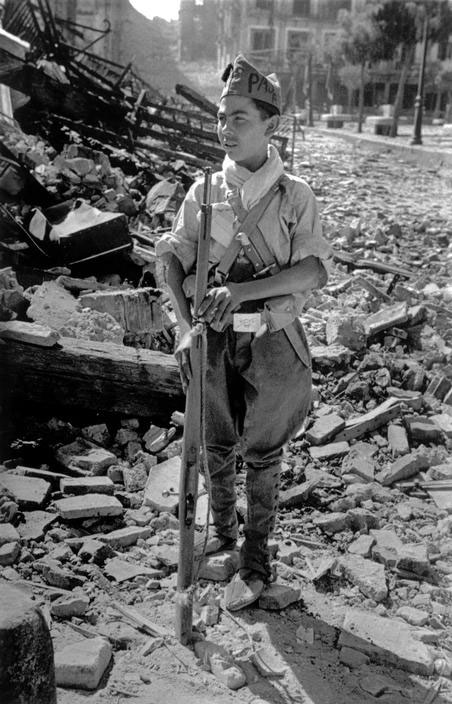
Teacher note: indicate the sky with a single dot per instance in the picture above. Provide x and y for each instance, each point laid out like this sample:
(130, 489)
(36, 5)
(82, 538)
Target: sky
(168, 9)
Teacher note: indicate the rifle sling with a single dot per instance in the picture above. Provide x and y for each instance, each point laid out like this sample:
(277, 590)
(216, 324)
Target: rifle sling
(258, 252)
(244, 236)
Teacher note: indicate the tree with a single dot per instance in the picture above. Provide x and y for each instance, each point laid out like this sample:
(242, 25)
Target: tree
(360, 43)
(350, 77)
(401, 25)
(443, 82)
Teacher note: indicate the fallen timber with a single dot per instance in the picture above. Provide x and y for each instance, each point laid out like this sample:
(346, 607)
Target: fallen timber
(82, 375)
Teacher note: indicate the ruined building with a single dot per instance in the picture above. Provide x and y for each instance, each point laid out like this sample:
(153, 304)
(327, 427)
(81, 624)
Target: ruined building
(121, 34)
(279, 35)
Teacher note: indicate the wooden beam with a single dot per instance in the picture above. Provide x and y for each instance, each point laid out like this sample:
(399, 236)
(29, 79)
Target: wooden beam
(96, 377)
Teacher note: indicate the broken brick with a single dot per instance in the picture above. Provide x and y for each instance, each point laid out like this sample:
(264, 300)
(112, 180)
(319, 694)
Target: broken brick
(423, 429)
(86, 485)
(123, 537)
(88, 506)
(27, 491)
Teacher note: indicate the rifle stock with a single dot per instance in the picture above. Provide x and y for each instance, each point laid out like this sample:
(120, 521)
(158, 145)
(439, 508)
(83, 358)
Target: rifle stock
(191, 453)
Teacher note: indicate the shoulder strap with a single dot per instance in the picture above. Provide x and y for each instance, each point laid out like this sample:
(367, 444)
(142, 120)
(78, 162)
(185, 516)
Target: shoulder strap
(241, 238)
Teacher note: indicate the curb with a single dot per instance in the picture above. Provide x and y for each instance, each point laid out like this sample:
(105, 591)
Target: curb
(426, 156)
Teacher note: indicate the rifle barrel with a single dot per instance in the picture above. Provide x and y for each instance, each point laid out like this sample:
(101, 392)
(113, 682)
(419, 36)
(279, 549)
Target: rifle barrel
(191, 453)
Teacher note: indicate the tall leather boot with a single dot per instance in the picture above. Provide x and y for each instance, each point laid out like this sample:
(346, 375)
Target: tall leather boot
(262, 490)
(222, 473)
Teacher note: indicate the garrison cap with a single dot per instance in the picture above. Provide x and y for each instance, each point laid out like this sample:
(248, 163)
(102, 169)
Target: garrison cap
(242, 78)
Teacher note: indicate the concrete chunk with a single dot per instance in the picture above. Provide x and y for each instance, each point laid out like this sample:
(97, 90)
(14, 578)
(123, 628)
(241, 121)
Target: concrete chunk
(121, 570)
(334, 522)
(367, 575)
(219, 567)
(137, 310)
(413, 558)
(93, 550)
(362, 545)
(444, 422)
(8, 534)
(85, 455)
(27, 491)
(325, 428)
(57, 576)
(26, 653)
(415, 617)
(297, 495)
(327, 452)
(406, 466)
(67, 607)
(87, 485)
(330, 355)
(387, 547)
(162, 488)
(82, 664)
(9, 552)
(359, 464)
(35, 524)
(388, 317)
(88, 506)
(386, 641)
(346, 331)
(30, 333)
(277, 597)
(398, 440)
(123, 537)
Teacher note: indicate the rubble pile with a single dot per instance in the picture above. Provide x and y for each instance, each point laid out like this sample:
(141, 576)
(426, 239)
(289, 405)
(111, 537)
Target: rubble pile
(363, 541)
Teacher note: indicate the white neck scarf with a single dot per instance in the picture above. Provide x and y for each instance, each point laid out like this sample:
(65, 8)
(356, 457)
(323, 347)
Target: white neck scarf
(253, 185)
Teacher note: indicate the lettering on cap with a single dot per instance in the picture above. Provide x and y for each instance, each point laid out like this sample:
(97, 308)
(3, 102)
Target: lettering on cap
(244, 79)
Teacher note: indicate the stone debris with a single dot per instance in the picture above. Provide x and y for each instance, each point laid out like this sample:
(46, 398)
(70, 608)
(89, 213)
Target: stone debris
(88, 506)
(87, 456)
(363, 534)
(86, 485)
(386, 641)
(27, 491)
(82, 664)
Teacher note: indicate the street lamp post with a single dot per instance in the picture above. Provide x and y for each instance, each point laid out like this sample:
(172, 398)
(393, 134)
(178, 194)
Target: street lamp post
(418, 103)
(310, 113)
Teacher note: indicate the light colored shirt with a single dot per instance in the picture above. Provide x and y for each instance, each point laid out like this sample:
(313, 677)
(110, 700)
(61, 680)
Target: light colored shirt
(290, 226)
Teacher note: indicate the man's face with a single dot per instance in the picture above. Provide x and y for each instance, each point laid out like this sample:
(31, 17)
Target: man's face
(242, 131)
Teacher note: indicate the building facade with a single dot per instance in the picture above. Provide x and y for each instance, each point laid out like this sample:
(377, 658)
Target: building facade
(280, 35)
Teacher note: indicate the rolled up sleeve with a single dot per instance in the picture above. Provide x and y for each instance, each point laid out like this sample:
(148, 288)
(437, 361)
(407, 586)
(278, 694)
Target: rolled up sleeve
(182, 241)
(307, 239)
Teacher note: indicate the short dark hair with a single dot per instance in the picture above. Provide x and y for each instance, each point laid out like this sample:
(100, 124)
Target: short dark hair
(266, 110)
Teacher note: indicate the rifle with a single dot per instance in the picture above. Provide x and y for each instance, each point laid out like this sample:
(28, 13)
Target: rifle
(193, 433)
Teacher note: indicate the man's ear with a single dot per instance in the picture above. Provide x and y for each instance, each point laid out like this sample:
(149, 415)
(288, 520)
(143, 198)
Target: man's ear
(273, 124)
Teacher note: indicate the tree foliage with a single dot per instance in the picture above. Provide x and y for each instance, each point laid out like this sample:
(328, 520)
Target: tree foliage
(359, 40)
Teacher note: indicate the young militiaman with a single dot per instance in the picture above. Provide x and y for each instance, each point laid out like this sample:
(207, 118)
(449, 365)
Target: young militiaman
(266, 256)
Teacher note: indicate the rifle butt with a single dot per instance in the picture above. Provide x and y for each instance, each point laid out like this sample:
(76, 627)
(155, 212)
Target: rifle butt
(184, 616)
